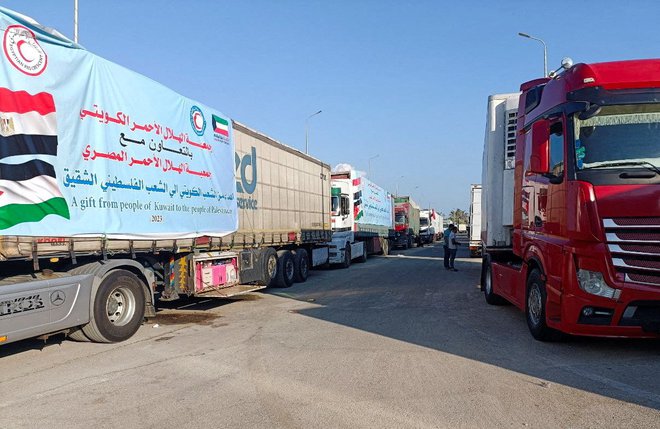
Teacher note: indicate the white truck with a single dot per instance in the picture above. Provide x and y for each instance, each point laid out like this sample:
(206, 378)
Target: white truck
(437, 222)
(362, 217)
(116, 192)
(429, 226)
(475, 221)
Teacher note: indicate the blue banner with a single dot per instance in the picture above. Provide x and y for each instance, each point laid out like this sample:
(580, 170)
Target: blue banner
(375, 206)
(90, 148)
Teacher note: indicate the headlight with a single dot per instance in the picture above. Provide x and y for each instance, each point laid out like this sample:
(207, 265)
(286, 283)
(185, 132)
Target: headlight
(592, 282)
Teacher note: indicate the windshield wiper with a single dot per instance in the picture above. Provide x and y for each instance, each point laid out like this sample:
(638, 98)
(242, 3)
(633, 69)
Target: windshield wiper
(645, 164)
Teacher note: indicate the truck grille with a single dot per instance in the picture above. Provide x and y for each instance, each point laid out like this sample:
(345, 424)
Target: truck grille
(634, 244)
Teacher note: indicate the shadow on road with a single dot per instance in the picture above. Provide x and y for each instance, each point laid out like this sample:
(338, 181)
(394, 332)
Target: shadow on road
(410, 297)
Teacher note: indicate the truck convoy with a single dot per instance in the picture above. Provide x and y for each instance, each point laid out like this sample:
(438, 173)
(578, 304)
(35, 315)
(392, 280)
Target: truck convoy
(475, 221)
(116, 191)
(406, 222)
(362, 217)
(570, 207)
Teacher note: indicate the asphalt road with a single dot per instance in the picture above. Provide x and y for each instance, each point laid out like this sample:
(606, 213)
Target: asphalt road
(396, 342)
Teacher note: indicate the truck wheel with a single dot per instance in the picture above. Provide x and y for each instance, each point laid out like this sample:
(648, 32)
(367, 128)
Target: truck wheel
(118, 309)
(268, 266)
(301, 265)
(285, 269)
(535, 308)
(78, 335)
(347, 256)
(487, 284)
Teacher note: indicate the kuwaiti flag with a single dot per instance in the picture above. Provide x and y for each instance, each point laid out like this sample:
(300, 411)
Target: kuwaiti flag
(220, 126)
(28, 190)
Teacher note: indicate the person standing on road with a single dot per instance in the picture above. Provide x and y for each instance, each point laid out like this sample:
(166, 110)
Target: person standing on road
(445, 244)
(453, 248)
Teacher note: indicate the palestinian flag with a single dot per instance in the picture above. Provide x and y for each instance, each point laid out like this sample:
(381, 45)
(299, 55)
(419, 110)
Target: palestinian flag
(220, 126)
(28, 190)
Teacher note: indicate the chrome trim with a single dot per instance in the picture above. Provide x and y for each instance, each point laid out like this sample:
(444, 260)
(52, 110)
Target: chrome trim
(611, 237)
(618, 262)
(610, 224)
(619, 256)
(614, 248)
(627, 279)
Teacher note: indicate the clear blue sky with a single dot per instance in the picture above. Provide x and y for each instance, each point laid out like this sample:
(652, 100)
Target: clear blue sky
(402, 82)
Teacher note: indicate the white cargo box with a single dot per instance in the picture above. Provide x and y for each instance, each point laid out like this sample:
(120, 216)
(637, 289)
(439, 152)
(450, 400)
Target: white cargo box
(497, 174)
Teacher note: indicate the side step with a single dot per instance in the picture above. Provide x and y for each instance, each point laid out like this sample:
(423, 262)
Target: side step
(230, 291)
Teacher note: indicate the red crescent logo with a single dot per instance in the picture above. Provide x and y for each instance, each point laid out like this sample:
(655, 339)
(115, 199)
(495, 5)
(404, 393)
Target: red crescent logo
(19, 48)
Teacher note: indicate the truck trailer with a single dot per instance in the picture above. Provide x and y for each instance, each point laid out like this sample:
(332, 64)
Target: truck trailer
(570, 214)
(475, 221)
(116, 192)
(362, 218)
(406, 222)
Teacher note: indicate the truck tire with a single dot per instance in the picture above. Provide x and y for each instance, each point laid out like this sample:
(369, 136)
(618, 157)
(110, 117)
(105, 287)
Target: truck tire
(285, 269)
(78, 335)
(487, 284)
(301, 265)
(347, 256)
(118, 309)
(535, 308)
(268, 267)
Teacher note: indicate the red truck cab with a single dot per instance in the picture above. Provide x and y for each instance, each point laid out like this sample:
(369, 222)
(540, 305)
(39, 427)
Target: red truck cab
(584, 255)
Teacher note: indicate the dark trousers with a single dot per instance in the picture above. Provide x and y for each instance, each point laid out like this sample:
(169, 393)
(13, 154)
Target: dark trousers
(452, 256)
(446, 249)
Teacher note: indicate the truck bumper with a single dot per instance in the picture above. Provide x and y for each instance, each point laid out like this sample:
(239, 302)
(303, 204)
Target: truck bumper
(336, 255)
(401, 239)
(635, 314)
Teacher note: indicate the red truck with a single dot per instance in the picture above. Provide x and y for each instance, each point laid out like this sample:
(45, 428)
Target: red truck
(571, 201)
(406, 222)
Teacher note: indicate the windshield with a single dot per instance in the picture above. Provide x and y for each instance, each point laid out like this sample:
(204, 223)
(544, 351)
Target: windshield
(335, 205)
(400, 218)
(423, 221)
(621, 135)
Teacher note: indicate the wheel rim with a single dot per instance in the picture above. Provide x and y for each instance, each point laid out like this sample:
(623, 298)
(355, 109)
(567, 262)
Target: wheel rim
(534, 305)
(120, 306)
(272, 266)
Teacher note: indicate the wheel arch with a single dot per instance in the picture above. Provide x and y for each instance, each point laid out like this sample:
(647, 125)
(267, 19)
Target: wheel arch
(100, 269)
(531, 264)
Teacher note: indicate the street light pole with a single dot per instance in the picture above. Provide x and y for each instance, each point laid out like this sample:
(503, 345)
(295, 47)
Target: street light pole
(75, 21)
(545, 52)
(373, 157)
(397, 185)
(307, 131)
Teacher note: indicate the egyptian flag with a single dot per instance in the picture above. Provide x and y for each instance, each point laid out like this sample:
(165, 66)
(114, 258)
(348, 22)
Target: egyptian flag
(28, 190)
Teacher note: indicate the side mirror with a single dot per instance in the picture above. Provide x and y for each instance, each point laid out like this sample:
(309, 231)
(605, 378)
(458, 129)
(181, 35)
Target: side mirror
(539, 159)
